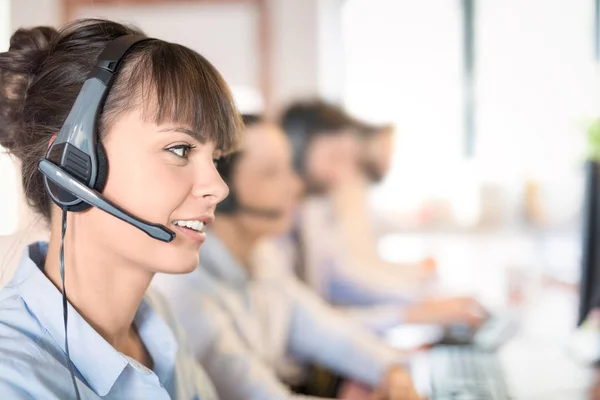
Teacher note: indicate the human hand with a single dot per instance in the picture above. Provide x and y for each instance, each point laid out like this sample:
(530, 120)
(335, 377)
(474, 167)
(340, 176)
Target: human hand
(594, 392)
(397, 385)
(429, 266)
(465, 310)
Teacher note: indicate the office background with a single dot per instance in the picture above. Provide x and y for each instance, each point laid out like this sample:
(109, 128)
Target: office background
(491, 99)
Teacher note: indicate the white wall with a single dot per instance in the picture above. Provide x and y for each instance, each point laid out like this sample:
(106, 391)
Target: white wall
(294, 56)
(306, 58)
(225, 34)
(25, 13)
(4, 24)
(331, 54)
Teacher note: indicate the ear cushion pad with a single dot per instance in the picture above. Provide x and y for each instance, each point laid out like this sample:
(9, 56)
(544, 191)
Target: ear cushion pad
(102, 174)
(101, 177)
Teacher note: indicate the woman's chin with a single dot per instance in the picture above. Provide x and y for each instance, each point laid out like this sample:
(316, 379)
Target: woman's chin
(186, 269)
(181, 265)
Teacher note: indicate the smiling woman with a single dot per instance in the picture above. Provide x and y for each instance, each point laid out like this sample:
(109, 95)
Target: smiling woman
(167, 115)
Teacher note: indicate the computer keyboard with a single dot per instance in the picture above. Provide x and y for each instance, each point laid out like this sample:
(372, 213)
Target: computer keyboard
(466, 373)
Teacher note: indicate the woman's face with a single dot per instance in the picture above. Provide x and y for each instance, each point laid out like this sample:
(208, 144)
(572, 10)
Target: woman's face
(160, 174)
(264, 179)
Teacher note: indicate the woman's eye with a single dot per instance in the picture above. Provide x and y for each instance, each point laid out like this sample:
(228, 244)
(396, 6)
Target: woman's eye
(181, 150)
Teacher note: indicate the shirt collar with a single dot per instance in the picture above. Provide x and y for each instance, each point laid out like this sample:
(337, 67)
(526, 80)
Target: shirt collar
(218, 260)
(97, 361)
(157, 337)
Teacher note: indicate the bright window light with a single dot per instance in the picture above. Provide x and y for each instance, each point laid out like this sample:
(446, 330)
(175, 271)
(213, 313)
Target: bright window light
(535, 80)
(404, 65)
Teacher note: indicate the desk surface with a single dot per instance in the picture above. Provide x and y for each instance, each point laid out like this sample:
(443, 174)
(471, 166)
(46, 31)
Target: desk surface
(538, 361)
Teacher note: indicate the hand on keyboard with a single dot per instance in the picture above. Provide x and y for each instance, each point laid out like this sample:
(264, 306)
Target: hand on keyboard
(397, 385)
(465, 373)
(455, 310)
(594, 393)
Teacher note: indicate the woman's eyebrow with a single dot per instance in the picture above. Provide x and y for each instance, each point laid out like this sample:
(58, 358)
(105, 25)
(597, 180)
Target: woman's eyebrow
(185, 130)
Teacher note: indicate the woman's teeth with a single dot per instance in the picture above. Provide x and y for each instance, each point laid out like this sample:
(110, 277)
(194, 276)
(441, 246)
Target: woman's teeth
(191, 224)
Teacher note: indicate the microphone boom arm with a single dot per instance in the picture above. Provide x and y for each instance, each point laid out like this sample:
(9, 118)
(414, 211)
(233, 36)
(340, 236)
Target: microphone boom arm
(67, 182)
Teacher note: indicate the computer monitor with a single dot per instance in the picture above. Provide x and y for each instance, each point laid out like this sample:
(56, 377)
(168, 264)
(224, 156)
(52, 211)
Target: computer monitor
(590, 242)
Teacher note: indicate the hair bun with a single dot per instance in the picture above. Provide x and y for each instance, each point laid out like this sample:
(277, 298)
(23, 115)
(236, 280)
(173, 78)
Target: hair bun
(28, 49)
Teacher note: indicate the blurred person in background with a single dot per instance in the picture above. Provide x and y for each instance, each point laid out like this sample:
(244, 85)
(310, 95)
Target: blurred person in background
(246, 317)
(339, 158)
(350, 201)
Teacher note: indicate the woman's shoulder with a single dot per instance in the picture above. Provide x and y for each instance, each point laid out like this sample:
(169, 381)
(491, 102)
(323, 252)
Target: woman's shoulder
(22, 335)
(29, 371)
(27, 362)
(17, 322)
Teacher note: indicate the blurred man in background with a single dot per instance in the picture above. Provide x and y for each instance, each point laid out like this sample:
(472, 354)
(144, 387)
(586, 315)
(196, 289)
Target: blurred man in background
(339, 158)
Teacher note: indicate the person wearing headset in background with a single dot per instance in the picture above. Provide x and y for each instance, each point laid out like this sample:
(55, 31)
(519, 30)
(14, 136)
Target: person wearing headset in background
(166, 117)
(336, 252)
(244, 315)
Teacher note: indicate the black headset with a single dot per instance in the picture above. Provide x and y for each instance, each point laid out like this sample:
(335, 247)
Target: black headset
(75, 168)
(297, 130)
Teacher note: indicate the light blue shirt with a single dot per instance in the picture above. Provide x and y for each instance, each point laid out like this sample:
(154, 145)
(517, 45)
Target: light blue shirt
(33, 362)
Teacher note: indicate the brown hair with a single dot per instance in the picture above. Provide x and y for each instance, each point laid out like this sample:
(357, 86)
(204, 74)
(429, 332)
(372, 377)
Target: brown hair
(303, 121)
(44, 69)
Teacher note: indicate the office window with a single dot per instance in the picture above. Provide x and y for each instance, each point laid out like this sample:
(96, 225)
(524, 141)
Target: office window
(535, 88)
(404, 65)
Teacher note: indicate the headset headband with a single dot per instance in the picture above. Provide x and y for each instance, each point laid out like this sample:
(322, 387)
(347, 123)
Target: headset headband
(76, 148)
